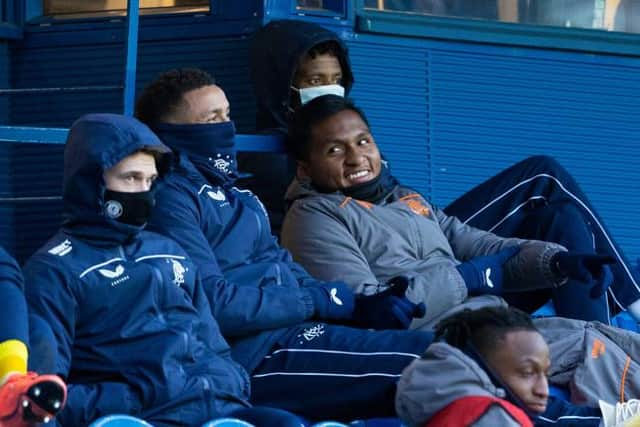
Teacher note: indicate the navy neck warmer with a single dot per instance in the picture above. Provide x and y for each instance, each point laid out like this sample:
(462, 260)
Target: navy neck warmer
(210, 147)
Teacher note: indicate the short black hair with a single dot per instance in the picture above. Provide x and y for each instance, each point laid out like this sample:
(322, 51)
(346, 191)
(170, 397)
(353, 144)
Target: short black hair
(483, 328)
(330, 46)
(309, 115)
(163, 96)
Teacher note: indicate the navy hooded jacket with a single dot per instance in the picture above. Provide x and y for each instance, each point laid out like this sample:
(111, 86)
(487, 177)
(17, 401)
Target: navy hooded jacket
(132, 324)
(13, 315)
(254, 288)
(274, 56)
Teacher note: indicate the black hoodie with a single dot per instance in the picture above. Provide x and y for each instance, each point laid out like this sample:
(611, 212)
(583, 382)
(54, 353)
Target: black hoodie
(274, 57)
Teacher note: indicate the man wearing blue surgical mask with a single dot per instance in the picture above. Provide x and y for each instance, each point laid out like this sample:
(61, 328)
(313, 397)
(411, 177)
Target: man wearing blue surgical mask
(285, 327)
(291, 62)
(318, 73)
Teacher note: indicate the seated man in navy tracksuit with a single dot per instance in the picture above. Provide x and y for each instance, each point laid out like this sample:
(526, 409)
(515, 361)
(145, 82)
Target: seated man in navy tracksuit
(26, 398)
(272, 312)
(294, 61)
(132, 323)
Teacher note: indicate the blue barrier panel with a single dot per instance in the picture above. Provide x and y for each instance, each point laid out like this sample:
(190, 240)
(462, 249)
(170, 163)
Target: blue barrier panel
(259, 143)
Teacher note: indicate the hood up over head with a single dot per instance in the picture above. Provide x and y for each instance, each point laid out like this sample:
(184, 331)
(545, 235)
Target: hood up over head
(97, 142)
(274, 57)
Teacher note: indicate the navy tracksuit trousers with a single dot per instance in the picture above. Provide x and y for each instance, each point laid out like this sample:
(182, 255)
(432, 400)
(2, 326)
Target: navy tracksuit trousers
(538, 199)
(322, 371)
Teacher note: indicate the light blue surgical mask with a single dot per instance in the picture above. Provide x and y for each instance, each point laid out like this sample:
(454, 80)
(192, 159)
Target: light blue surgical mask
(309, 93)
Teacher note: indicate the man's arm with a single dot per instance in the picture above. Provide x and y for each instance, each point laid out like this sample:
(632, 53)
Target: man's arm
(50, 295)
(14, 329)
(529, 269)
(87, 402)
(239, 308)
(325, 246)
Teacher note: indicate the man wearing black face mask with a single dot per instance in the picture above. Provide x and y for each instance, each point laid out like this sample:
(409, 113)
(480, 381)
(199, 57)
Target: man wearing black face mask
(273, 313)
(133, 327)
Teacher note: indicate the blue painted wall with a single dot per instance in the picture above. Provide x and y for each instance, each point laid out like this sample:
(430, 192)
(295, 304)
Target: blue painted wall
(448, 114)
(4, 80)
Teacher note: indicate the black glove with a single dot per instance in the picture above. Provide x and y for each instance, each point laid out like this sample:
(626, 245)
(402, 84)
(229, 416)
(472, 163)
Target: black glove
(591, 269)
(332, 300)
(389, 309)
(483, 274)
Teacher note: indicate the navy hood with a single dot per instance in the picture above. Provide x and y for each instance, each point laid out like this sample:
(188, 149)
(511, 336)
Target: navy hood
(97, 142)
(274, 55)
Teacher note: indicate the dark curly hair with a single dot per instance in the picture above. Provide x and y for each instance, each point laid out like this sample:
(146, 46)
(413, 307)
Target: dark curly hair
(482, 328)
(309, 115)
(163, 96)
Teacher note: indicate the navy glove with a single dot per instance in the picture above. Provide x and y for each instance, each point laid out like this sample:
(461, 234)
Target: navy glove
(483, 274)
(591, 269)
(332, 300)
(389, 309)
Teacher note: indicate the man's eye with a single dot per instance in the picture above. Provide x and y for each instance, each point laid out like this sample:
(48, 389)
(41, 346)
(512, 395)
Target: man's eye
(315, 81)
(363, 141)
(337, 80)
(333, 150)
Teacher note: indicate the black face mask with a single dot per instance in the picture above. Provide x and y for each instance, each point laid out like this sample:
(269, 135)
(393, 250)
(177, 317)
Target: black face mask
(129, 208)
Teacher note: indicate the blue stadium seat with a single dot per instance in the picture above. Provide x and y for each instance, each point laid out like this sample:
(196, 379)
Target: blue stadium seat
(227, 422)
(119, 421)
(329, 424)
(377, 422)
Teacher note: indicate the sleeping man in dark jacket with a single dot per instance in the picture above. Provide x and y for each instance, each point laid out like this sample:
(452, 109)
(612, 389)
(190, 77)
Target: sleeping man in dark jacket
(294, 61)
(134, 330)
(277, 318)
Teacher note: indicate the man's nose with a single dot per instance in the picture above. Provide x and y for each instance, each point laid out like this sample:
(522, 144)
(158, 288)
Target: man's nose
(541, 387)
(354, 156)
(143, 186)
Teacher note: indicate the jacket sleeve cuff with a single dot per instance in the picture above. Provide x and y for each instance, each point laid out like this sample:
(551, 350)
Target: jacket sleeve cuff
(548, 271)
(307, 303)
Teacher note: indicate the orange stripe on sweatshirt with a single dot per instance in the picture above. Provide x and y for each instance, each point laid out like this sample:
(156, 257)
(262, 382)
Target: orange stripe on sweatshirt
(624, 378)
(345, 202)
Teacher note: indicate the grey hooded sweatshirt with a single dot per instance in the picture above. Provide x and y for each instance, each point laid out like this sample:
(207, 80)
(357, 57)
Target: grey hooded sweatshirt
(443, 375)
(365, 245)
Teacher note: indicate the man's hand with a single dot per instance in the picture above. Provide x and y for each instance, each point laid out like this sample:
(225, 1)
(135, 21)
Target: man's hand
(483, 274)
(389, 309)
(332, 300)
(591, 269)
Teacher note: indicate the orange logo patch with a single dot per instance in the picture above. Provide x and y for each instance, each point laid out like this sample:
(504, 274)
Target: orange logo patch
(598, 349)
(417, 207)
(364, 204)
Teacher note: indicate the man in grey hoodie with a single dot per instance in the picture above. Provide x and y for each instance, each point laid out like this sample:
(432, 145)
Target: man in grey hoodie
(350, 219)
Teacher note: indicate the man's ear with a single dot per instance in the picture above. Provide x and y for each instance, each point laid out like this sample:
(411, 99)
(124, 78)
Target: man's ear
(302, 171)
